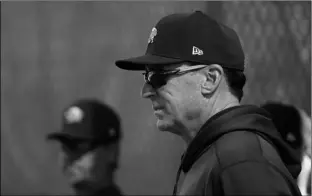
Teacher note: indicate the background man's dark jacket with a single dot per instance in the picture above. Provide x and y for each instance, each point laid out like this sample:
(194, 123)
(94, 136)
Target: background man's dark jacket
(238, 152)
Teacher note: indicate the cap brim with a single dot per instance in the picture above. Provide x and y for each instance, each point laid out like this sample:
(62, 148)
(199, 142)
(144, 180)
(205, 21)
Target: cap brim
(139, 63)
(63, 137)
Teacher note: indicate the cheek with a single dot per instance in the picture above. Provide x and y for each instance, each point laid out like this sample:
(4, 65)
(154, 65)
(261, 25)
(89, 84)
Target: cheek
(103, 158)
(104, 164)
(85, 164)
(180, 99)
(191, 107)
(87, 161)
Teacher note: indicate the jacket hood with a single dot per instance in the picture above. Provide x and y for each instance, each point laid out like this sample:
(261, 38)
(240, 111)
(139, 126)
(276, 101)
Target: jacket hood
(247, 118)
(112, 190)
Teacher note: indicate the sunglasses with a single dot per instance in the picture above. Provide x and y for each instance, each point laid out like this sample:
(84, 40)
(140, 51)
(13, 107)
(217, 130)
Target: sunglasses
(159, 78)
(79, 146)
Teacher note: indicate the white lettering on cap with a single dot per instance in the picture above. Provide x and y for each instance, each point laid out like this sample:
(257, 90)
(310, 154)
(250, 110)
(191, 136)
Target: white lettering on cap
(197, 51)
(73, 114)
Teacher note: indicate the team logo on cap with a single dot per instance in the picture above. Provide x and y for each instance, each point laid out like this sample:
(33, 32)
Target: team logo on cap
(73, 115)
(152, 35)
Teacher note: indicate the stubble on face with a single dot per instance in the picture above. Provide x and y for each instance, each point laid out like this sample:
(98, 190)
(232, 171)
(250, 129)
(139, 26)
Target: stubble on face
(180, 98)
(91, 171)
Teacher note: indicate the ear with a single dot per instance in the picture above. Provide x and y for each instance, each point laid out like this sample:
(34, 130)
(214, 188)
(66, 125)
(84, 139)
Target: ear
(213, 75)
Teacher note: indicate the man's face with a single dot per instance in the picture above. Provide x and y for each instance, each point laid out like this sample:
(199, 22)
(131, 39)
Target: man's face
(176, 101)
(88, 168)
(306, 131)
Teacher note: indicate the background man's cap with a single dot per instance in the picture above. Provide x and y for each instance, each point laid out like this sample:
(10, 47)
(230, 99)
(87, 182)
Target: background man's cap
(89, 120)
(287, 120)
(194, 37)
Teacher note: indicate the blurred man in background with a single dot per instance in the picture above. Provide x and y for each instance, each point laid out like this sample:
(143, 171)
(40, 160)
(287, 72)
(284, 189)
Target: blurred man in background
(89, 141)
(295, 127)
(194, 77)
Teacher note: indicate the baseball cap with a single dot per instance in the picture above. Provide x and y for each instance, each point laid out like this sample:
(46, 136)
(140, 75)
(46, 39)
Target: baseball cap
(287, 120)
(89, 119)
(189, 37)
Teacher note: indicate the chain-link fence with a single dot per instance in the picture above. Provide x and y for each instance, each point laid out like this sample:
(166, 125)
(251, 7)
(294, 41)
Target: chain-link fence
(276, 37)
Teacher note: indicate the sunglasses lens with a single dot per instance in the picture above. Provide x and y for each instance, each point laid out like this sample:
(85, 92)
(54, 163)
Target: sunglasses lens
(69, 146)
(157, 80)
(77, 146)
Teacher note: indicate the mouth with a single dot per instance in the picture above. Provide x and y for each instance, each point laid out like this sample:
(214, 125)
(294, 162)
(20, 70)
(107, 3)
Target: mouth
(158, 110)
(159, 114)
(157, 107)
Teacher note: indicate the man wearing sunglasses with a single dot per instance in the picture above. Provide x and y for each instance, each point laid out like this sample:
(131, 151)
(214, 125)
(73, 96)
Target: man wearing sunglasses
(194, 77)
(89, 147)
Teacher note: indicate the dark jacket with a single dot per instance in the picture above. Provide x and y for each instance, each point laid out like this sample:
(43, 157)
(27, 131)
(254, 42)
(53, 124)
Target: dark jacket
(109, 191)
(238, 152)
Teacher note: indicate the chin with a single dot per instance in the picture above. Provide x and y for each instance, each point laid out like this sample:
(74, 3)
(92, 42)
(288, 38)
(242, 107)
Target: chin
(82, 186)
(166, 126)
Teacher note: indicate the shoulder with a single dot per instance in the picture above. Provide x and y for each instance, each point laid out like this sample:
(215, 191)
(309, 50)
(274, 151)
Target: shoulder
(238, 146)
(112, 190)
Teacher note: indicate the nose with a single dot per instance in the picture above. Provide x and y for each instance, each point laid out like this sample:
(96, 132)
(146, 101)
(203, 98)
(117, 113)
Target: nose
(147, 91)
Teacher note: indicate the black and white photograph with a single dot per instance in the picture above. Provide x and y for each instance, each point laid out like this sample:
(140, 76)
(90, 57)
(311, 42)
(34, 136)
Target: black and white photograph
(181, 98)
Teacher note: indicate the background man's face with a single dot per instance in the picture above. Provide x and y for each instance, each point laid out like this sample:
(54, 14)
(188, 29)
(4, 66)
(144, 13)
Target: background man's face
(175, 102)
(306, 132)
(88, 170)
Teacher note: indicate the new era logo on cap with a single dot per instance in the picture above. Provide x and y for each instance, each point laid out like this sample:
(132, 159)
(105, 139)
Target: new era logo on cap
(197, 51)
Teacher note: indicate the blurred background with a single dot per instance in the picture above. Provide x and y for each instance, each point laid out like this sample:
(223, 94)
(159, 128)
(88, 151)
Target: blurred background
(53, 53)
